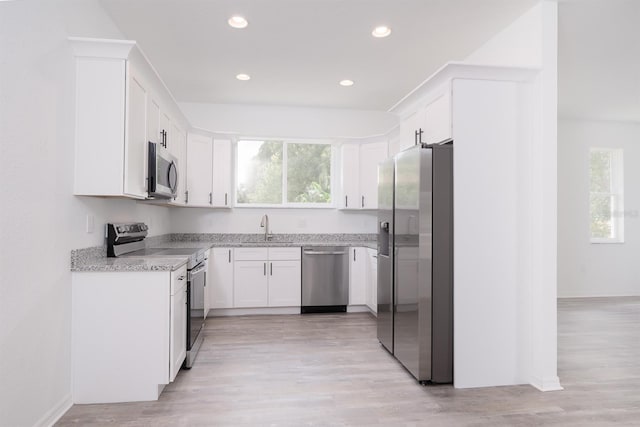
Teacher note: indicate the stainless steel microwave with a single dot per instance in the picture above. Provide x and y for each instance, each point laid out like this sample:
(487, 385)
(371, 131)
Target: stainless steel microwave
(163, 173)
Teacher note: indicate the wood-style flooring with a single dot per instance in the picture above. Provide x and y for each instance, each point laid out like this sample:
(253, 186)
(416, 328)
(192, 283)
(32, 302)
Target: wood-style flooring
(330, 370)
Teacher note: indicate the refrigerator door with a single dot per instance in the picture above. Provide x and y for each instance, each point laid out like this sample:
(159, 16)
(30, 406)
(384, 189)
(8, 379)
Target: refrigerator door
(442, 292)
(412, 293)
(385, 253)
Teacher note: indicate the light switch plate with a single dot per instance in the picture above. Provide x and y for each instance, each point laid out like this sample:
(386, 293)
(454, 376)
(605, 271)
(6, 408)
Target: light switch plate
(90, 223)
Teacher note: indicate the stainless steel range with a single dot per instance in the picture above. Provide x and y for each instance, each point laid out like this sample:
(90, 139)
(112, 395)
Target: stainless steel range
(127, 240)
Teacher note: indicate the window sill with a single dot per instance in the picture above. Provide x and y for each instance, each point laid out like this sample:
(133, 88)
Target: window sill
(606, 241)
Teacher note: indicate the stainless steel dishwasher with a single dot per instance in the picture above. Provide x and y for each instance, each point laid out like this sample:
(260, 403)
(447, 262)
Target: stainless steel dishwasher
(325, 279)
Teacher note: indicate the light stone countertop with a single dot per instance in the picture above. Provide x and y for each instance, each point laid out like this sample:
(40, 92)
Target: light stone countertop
(106, 264)
(95, 259)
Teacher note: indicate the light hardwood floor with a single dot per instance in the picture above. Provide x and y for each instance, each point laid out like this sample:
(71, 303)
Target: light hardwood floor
(330, 370)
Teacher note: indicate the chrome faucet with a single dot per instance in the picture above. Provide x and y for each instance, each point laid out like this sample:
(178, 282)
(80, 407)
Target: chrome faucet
(265, 223)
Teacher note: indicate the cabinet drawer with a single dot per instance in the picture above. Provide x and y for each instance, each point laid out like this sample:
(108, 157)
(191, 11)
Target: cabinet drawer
(178, 279)
(250, 254)
(276, 254)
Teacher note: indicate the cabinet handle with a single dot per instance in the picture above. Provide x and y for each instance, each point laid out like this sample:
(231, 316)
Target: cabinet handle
(363, 201)
(225, 199)
(346, 201)
(186, 196)
(264, 268)
(354, 255)
(271, 269)
(210, 198)
(205, 279)
(229, 255)
(181, 278)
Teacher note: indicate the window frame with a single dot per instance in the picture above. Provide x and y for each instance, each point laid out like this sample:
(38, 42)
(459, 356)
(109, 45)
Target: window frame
(285, 204)
(616, 194)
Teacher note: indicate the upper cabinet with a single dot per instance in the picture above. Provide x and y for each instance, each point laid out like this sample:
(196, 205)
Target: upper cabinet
(121, 104)
(359, 174)
(208, 171)
(429, 123)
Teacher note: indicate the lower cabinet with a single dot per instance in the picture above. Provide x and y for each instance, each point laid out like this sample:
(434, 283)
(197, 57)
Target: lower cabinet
(178, 316)
(284, 283)
(266, 277)
(250, 284)
(220, 278)
(358, 261)
(372, 280)
(128, 334)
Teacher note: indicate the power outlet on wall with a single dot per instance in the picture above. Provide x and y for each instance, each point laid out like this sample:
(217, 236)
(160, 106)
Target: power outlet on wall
(90, 223)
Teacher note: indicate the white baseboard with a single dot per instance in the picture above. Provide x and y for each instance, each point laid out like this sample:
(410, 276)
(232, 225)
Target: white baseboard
(547, 383)
(253, 311)
(55, 413)
(358, 309)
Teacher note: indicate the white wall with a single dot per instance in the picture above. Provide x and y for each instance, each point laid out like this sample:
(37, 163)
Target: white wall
(586, 269)
(531, 41)
(40, 221)
(288, 122)
(247, 220)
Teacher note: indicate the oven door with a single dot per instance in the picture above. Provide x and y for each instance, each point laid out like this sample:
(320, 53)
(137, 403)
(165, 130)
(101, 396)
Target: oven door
(163, 172)
(195, 300)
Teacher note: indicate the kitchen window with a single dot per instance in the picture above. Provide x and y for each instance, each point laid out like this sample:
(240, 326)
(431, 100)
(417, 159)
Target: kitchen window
(606, 201)
(281, 173)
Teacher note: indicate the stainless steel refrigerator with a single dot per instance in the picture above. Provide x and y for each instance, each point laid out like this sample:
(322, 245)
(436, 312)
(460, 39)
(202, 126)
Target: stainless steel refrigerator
(415, 260)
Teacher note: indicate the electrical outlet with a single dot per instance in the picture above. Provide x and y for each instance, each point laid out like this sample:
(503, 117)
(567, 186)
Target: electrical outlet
(90, 223)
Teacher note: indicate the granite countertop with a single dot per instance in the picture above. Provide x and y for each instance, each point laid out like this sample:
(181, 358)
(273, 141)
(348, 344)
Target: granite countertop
(105, 264)
(95, 259)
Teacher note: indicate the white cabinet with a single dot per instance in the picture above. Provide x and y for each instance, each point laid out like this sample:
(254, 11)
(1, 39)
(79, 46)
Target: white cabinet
(222, 162)
(117, 113)
(350, 176)
(208, 171)
(119, 315)
(431, 123)
(437, 119)
(220, 277)
(359, 174)
(370, 156)
(250, 284)
(199, 169)
(357, 275)
(266, 277)
(372, 280)
(178, 316)
(284, 283)
(135, 177)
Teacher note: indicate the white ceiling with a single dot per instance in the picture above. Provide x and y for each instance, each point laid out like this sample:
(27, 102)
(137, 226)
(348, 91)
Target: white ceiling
(599, 59)
(298, 50)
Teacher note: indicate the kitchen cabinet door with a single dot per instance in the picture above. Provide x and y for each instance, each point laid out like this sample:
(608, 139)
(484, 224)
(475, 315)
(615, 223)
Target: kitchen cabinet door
(408, 126)
(165, 126)
(220, 277)
(135, 174)
(357, 276)
(284, 283)
(199, 170)
(250, 284)
(349, 177)
(178, 316)
(372, 280)
(437, 119)
(222, 173)
(153, 121)
(370, 156)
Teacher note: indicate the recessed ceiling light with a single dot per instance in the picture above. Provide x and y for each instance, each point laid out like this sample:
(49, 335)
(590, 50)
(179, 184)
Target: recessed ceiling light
(238, 21)
(243, 77)
(346, 82)
(381, 31)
